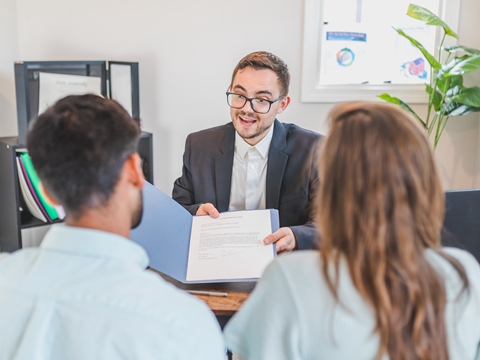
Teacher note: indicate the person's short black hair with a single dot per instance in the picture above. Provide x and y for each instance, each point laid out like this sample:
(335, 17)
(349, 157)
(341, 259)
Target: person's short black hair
(78, 147)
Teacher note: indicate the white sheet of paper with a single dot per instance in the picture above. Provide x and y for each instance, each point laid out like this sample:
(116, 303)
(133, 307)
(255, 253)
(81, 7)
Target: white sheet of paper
(229, 247)
(121, 83)
(54, 87)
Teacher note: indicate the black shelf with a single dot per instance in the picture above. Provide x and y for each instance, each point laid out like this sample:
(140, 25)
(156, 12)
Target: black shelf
(34, 222)
(14, 215)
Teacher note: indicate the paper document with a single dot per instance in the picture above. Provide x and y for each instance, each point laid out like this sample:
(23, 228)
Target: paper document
(121, 85)
(54, 87)
(229, 247)
(202, 249)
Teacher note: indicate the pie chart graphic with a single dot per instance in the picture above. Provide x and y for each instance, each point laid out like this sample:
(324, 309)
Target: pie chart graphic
(345, 57)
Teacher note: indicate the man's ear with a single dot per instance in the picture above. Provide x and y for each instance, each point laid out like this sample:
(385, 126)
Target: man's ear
(283, 104)
(48, 196)
(133, 167)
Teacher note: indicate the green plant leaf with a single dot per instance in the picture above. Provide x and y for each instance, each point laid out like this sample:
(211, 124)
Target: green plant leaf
(450, 65)
(435, 96)
(456, 80)
(394, 100)
(430, 58)
(454, 62)
(456, 109)
(466, 96)
(445, 83)
(452, 49)
(453, 91)
(447, 108)
(466, 65)
(429, 18)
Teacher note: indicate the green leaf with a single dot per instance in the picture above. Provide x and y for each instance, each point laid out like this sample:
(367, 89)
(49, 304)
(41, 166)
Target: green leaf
(430, 58)
(467, 96)
(429, 18)
(450, 65)
(447, 108)
(453, 108)
(435, 96)
(456, 109)
(468, 64)
(445, 83)
(452, 49)
(394, 100)
(456, 80)
(453, 91)
(454, 62)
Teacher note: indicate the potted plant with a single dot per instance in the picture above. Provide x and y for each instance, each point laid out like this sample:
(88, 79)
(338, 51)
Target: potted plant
(447, 96)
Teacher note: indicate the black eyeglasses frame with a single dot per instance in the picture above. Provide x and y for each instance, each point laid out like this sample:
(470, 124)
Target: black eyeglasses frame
(251, 102)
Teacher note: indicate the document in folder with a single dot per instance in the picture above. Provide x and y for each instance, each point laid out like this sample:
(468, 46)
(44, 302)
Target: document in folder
(200, 249)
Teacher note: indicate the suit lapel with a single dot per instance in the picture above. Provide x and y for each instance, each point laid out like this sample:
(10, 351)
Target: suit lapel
(277, 161)
(223, 170)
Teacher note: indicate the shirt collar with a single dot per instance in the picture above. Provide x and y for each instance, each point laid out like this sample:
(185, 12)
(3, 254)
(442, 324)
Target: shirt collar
(242, 147)
(93, 243)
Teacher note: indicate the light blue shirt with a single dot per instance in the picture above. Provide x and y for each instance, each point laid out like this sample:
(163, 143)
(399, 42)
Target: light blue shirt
(85, 294)
(292, 315)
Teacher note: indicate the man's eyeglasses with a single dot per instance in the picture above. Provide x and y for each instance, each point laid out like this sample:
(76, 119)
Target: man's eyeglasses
(261, 106)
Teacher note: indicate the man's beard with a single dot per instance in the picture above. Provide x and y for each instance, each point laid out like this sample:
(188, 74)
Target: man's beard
(259, 131)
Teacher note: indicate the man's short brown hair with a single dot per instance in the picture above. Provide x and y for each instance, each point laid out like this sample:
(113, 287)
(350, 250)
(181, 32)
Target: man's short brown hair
(264, 60)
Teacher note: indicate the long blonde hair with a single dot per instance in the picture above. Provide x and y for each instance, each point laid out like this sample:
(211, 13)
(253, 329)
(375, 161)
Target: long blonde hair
(380, 206)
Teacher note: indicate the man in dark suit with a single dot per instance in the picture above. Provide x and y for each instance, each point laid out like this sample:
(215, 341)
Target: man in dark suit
(255, 162)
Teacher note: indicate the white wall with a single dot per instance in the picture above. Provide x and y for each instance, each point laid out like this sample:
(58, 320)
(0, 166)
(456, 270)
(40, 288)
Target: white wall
(187, 50)
(8, 53)
(457, 153)
(470, 14)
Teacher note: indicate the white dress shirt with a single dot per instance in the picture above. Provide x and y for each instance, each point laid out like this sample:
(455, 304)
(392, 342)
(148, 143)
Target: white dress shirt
(249, 174)
(85, 294)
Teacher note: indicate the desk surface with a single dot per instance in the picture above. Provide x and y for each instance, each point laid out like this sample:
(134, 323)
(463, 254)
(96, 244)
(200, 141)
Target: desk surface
(238, 292)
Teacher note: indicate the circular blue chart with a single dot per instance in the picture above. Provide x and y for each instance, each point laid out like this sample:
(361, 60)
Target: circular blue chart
(345, 57)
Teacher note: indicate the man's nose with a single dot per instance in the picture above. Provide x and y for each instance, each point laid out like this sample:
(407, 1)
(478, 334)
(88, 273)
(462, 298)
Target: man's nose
(248, 106)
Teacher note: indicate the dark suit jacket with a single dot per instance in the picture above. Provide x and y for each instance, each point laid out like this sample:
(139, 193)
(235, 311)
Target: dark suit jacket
(292, 176)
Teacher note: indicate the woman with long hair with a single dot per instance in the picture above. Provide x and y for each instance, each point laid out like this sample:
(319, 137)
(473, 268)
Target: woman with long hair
(380, 286)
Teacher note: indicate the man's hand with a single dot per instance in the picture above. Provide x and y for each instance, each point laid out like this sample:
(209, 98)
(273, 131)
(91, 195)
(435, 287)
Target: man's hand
(208, 209)
(284, 238)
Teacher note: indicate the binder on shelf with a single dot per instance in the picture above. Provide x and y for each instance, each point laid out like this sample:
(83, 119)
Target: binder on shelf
(33, 177)
(29, 194)
(32, 190)
(36, 202)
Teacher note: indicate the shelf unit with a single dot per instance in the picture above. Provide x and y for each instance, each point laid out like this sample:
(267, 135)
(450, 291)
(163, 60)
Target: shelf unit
(14, 215)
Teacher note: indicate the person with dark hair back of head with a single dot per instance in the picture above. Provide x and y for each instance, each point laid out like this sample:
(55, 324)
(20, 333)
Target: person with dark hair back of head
(85, 293)
(380, 286)
(255, 161)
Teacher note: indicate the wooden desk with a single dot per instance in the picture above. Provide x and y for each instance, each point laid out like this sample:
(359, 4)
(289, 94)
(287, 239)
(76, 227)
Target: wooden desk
(238, 292)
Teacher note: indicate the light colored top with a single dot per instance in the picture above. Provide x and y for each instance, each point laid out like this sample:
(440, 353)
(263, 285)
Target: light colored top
(292, 314)
(249, 173)
(85, 294)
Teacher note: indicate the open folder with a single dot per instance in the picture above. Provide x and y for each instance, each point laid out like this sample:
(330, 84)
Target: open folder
(200, 249)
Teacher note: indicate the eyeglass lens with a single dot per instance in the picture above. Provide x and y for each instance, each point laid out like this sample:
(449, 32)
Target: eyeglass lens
(258, 105)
